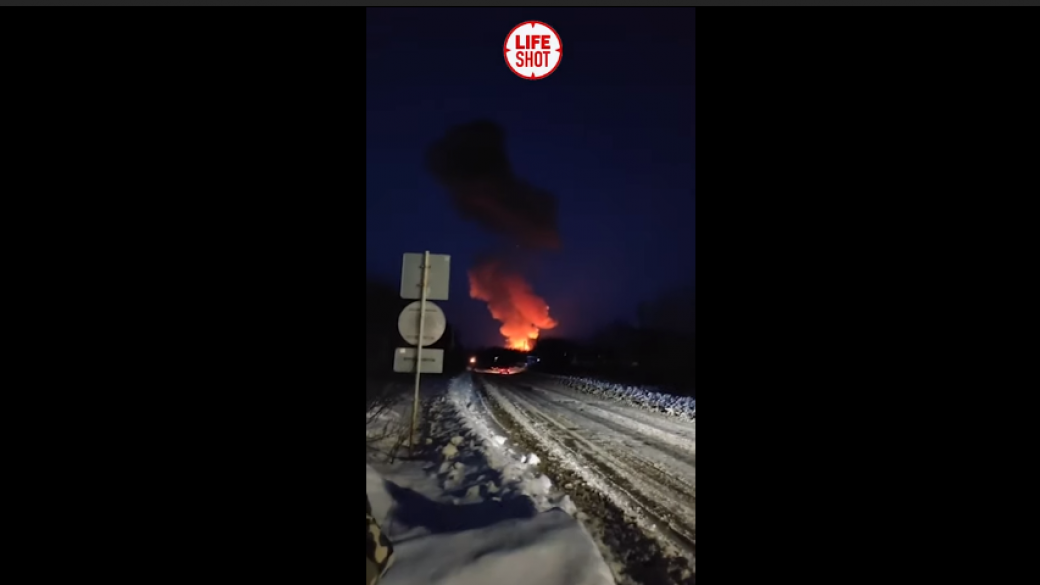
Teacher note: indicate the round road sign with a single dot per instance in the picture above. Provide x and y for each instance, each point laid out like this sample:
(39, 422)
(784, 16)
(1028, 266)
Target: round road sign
(433, 328)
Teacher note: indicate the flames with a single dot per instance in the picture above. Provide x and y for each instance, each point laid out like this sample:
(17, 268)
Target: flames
(521, 344)
(511, 301)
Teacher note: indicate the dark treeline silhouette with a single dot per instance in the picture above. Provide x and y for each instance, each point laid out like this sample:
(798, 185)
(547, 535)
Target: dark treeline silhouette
(659, 350)
(489, 357)
(672, 311)
(383, 305)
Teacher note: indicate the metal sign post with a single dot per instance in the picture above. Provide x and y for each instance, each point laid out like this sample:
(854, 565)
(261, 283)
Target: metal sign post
(424, 277)
(418, 349)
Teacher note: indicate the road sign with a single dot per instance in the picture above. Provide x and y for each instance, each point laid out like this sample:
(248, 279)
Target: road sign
(424, 277)
(433, 328)
(437, 279)
(432, 360)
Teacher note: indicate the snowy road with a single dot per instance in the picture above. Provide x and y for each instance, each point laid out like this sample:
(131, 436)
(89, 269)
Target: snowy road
(640, 463)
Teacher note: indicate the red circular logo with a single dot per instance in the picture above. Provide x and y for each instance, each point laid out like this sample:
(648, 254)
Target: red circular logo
(533, 50)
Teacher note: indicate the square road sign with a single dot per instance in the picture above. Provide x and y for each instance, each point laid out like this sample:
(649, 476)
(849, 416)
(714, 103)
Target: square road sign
(432, 360)
(436, 280)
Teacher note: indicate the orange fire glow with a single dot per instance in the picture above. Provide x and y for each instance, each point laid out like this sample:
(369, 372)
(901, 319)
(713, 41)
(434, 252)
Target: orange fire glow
(511, 301)
(521, 344)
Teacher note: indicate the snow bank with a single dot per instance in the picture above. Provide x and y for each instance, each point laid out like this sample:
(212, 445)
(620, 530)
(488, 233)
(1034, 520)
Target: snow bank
(648, 397)
(487, 542)
(548, 549)
(474, 509)
(378, 496)
(518, 469)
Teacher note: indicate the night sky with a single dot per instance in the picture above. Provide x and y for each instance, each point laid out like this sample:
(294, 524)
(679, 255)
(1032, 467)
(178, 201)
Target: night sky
(610, 133)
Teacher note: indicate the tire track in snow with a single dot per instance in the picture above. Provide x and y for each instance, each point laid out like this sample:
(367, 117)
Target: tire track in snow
(635, 452)
(646, 422)
(605, 509)
(678, 452)
(633, 474)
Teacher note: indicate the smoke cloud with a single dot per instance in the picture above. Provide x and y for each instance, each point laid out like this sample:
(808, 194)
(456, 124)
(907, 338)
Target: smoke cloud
(511, 301)
(472, 165)
(470, 162)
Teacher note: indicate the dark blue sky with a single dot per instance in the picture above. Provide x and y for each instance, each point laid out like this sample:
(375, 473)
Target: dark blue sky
(610, 133)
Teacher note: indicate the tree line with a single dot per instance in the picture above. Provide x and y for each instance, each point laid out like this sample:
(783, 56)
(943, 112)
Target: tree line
(659, 349)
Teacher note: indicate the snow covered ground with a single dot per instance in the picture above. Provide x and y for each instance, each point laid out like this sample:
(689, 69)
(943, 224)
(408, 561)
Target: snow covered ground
(630, 469)
(471, 506)
(648, 397)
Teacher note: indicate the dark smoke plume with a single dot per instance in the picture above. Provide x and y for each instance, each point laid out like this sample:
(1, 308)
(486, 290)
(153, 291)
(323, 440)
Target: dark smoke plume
(471, 163)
